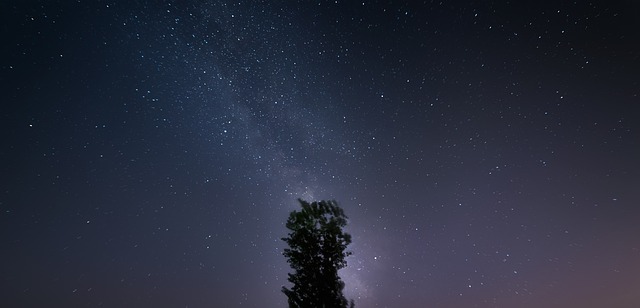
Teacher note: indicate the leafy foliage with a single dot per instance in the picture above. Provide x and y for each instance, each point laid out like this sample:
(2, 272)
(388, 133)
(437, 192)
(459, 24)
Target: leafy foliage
(316, 252)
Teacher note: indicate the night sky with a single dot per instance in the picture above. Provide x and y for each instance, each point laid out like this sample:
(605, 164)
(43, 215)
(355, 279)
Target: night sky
(487, 153)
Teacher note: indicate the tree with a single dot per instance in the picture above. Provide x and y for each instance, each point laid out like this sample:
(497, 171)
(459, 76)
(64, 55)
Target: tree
(316, 252)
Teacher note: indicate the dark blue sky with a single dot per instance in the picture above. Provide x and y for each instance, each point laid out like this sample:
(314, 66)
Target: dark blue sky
(486, 153)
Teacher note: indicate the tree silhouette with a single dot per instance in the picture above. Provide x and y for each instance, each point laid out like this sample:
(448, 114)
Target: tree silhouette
(316, 252)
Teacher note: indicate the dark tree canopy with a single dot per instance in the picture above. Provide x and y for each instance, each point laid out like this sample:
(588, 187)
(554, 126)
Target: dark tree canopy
(316, 252)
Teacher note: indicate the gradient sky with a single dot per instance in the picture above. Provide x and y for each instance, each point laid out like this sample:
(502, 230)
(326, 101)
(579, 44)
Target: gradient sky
(487, 153)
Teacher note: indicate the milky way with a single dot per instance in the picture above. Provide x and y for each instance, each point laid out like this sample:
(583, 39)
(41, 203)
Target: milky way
(486, 154)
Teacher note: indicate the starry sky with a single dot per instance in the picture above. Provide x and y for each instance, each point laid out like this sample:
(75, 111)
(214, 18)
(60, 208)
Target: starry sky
(486, 152)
